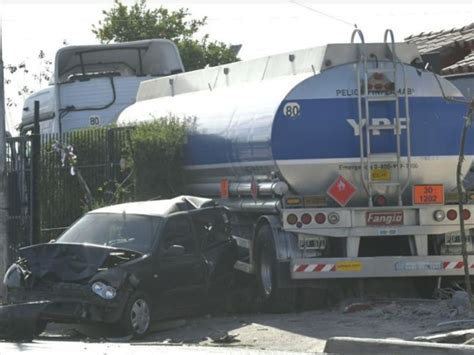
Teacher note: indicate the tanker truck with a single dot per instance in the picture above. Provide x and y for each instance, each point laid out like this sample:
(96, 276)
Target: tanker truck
(337, 162)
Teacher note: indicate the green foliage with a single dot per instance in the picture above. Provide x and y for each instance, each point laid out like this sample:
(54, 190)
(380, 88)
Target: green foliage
(155, 153)
(97, 167)
(109, 193)
(122, 23)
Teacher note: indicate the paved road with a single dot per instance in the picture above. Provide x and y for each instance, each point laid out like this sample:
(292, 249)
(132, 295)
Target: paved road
(70, 348)
(292, 333)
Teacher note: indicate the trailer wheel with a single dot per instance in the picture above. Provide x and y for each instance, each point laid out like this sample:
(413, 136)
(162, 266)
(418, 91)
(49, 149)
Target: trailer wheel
(275, 298)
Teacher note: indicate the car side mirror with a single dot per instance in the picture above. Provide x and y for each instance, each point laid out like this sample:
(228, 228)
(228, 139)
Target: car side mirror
(175, 250)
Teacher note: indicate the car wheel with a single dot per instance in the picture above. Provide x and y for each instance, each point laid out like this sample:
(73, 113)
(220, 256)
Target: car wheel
(275, 298)
(136, 317)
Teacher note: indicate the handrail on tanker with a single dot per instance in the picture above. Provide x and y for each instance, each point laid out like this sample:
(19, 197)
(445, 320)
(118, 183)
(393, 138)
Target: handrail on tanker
(361, 64)
(361, 36)
(392, 40)
(407, 113)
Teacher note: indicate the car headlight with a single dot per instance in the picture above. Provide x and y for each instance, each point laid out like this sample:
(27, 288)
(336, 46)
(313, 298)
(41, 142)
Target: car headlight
(13, 277)
(105, 291)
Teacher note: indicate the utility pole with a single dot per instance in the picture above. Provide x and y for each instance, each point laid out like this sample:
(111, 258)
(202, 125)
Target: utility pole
(464, 241)
(3, 183)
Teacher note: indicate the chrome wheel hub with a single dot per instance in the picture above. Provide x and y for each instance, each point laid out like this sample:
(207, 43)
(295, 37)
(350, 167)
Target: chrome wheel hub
(266, 273)
(140, 316)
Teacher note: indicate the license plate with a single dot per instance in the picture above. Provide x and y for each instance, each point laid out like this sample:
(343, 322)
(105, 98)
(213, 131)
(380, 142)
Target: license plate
(312, 243)
(428, 194)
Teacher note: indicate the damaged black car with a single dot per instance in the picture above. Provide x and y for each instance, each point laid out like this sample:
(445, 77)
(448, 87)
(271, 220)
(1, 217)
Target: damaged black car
(125, 265)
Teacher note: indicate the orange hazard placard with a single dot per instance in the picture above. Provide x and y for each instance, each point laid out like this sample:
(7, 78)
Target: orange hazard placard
(428, 194)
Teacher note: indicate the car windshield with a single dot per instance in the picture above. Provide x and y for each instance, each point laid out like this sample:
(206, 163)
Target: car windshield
(133, 232)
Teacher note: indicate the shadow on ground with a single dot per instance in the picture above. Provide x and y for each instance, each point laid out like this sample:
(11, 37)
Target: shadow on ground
(383, 314)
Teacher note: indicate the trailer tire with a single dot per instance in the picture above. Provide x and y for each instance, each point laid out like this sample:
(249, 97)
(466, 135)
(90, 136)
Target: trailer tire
(276, 299)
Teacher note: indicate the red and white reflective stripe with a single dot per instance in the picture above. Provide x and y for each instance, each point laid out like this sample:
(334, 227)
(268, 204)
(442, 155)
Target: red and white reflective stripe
(314, 268)
(450, 265)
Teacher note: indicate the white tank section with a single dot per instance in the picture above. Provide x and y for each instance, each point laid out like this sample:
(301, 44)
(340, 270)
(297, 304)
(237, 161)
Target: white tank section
(294, 117)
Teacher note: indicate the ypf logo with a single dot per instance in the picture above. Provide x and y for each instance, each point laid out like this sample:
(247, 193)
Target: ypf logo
(375, 122)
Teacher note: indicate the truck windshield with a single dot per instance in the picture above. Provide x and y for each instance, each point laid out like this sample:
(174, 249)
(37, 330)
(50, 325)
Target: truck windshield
(133, 232)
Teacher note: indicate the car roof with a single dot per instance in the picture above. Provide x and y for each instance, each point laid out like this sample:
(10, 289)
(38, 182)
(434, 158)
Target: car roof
(161, 208)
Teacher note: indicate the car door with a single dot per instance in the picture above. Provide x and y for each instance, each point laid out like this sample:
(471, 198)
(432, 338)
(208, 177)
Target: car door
(216, 245)
(179, 280)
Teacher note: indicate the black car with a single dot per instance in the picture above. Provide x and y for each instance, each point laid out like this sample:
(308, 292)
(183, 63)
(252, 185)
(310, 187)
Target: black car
(126, 265)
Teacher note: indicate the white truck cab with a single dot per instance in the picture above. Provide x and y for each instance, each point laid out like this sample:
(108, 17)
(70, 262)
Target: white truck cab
(93, 84)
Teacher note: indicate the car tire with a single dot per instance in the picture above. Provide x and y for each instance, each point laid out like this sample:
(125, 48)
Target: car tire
(276, 299)
(136, 317)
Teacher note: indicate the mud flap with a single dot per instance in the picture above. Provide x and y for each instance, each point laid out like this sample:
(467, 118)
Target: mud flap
(18, 321)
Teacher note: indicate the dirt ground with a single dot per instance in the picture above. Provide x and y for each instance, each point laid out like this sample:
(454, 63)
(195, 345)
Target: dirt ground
(306, 331)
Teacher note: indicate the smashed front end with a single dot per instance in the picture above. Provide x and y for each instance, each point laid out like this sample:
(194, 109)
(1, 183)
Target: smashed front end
(71, 283)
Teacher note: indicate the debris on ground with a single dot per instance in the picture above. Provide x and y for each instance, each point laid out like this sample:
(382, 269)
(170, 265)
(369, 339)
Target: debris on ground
(460, 301)
(455, 325)
(167, 342)
(455, 337)
(429, 320)
(171, 342)
(124, 339)
(357, 307)
(223, 338)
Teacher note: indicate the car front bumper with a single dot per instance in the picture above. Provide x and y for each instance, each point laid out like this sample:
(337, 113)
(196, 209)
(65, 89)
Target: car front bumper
(70, 303)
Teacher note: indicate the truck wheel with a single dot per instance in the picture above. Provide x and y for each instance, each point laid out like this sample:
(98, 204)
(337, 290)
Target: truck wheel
(136, 317)
(275, 298)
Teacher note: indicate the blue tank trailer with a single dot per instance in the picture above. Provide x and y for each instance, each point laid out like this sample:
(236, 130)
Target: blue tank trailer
(339, 162)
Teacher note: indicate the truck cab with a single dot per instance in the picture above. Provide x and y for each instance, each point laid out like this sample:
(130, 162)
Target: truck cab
(93, 84)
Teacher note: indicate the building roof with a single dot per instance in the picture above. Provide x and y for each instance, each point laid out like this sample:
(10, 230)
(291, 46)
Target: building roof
(159, 207)
(465, 65)
(438, 40)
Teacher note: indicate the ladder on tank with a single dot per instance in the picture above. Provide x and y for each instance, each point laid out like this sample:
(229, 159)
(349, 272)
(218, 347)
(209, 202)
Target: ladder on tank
(367, 128)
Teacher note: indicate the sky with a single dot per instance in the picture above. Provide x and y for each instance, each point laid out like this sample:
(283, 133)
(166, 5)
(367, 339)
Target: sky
(263, 27)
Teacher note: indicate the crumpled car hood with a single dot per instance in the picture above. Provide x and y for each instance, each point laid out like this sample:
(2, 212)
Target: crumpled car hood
(72, 262)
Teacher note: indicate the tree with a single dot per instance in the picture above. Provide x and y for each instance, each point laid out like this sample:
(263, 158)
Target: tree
(122, 23)
(23, 79)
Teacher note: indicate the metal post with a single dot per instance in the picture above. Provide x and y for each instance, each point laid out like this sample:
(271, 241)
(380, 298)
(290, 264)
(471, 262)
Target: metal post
(35, 177)
(3, 192)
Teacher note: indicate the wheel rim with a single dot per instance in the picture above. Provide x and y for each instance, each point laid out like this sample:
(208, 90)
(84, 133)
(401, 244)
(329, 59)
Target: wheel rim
(266, 273)
(140, 316)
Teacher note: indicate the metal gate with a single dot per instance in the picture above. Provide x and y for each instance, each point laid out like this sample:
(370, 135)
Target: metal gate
(46, 196)
(70, 160)
(19, 186)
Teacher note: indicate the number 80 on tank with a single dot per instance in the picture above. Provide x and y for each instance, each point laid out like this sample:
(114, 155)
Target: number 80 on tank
(291, 110)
